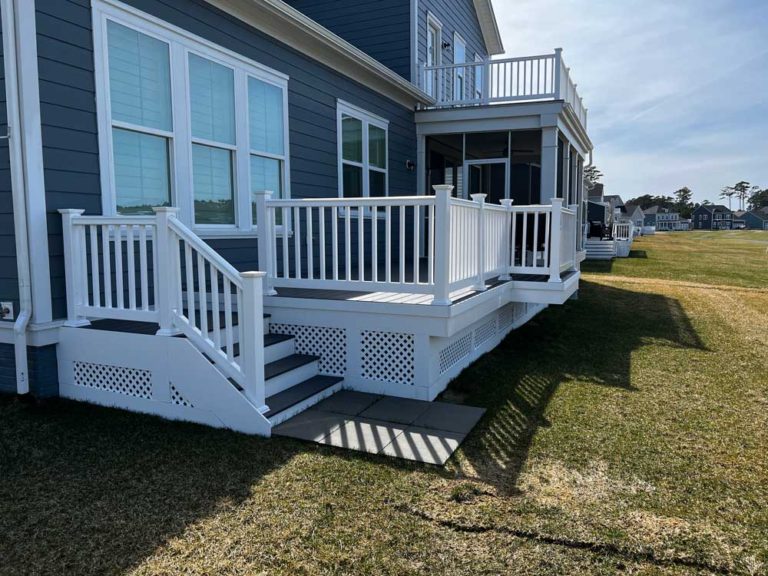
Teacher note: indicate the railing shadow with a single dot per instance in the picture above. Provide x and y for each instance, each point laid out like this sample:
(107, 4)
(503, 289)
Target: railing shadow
(589, 340)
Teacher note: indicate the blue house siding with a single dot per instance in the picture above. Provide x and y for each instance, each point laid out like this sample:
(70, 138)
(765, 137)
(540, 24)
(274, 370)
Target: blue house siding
(754, 222)
(67, 93)
(380, 28)
(455, 16)
(43, 371)
(9, 281)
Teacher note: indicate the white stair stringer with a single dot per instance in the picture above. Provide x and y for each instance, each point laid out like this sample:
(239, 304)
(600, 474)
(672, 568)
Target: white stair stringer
(164, 376)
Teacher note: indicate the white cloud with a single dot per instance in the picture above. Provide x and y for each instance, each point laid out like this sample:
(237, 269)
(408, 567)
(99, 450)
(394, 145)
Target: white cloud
(677, 91)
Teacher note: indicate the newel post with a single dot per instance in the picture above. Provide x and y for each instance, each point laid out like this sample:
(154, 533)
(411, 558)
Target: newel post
(74, 267)
(555, 240)
(507, 203)
(265, 228)
(442, 244)
(558, 68)
(252, 345)
(480, 282)
(167, 272)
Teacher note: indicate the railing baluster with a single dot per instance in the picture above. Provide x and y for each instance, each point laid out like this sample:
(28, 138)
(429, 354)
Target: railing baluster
(228, 335)
(129, 245)
(321, 242)
(95, 273)
(202, 295)
(335, 241)
(285, 212)
(190, 283)
(388, 244)
(547, 237)
(536, 215)
(216, 312)
(401, 252)
(297, 241)
(347, 245)
(361, 243)
(416, 253)
(118, 242)
(374, 243)
(310, 247)
(143, 267)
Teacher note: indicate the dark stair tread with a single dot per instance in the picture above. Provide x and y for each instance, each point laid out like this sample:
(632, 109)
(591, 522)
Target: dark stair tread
(269, 340)
(129, 326)
(278, 367)
(296, 394)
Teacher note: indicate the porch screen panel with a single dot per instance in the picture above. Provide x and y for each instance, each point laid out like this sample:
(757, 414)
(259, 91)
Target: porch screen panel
(142, 122)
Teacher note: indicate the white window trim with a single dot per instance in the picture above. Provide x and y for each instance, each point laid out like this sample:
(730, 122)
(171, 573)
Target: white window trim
(433, 22)
(367, 119)
(181, 43)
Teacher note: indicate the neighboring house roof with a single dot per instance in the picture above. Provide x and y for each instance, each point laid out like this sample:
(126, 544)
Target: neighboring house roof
(285, 23)
(633, 211)
(614, 198)
(652, 210)
(489, 27)
(761, 213)
(596, 191)
(739, 213)
(720, 208)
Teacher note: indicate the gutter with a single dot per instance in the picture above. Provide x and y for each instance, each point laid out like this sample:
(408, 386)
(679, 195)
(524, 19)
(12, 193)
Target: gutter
(18, 189)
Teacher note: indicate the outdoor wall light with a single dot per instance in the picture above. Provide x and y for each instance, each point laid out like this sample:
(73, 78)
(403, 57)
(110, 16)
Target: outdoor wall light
(446, 44)
(410, 165)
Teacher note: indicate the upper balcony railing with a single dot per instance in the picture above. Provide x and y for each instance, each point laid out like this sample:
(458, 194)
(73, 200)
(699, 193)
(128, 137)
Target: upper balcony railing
(529, 78)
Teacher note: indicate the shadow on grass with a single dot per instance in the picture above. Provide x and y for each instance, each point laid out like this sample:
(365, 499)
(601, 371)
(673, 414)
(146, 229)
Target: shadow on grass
(597, 266)
(638, 254)
(91, 490)
(590, 340)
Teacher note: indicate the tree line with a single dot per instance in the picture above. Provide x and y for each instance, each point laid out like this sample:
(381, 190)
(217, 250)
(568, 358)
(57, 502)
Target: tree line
(749, 197)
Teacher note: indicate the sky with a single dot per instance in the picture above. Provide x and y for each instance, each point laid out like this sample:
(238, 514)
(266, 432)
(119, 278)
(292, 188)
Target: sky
(677, 91)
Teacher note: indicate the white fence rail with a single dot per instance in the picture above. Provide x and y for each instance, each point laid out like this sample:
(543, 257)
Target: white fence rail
(415, 244)
(623, 231)
(154, 269)
(542, 77)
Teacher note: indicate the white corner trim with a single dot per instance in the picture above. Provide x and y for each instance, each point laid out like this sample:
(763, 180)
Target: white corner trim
(30, 132)
(414, 42)
(489, 27)
(291, 27)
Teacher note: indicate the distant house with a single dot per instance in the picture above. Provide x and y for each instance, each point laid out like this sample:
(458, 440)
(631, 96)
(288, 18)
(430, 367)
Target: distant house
(663, 219)
(712, 217)
(595, 193)
(635, 214)
(738, 220)
(756, 219)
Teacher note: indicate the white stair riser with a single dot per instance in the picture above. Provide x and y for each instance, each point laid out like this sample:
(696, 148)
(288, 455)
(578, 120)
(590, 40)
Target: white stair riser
(291, 378)
(305, 404)
(279, 350)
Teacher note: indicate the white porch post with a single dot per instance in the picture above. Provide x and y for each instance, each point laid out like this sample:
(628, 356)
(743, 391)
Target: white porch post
(555, 240)
(166, 258)
(566, 183)
(252, 346)
(74, 259)
(549, 139)
(480, 282)
(442, 244)
(265, 229)
(558, 73)
(507, 203)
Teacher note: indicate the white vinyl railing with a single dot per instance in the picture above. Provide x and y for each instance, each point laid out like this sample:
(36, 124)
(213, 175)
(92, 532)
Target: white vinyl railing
(154, 269)
(542, 77)
(415, 244)
(622, 231)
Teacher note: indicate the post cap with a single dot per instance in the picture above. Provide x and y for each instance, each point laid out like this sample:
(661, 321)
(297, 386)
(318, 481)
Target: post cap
(506, 202)
(165, 209)
(252, 274)
(443, 188)
(557, 201)
(478, 197)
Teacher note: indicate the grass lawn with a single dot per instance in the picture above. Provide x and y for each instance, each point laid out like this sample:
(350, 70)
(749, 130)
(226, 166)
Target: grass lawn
(627, 432)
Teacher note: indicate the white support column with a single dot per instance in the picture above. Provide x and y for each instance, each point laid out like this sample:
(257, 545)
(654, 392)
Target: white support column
(558, 73)
(549, 139)
(32, 141)
(555, 240)
(507, 203)
(480, 282)
(165, 275)
(442, 244)
(566, 183)
(252, 345)
(73, 267)
(265, 227)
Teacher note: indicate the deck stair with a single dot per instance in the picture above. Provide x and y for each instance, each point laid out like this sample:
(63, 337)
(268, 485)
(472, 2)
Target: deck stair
(600, 249)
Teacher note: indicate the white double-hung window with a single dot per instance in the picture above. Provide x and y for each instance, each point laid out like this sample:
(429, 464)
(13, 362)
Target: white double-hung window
(186, 123)
(363, 155)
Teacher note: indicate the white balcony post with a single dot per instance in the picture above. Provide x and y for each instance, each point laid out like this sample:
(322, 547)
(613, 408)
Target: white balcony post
(74, 258)
(442, 244)
(480, 283)
(265, 229)
(549, 141)
(487, 81)
(166, 271)
(252, 345)
(558, 68)
(555, 240)
(507, 203)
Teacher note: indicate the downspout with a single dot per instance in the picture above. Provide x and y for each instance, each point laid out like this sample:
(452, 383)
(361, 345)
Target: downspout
(18, 189)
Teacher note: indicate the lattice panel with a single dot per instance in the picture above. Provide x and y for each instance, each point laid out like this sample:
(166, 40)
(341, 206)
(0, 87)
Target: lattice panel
(178, 399)
(507, 317)
(485, 332)
(330, 344)
(455, 352)
(117, 379)
(388, 357)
